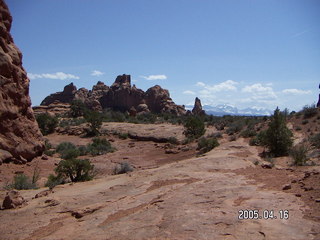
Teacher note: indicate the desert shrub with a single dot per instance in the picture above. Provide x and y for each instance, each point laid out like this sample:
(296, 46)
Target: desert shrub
(67, 150)
(235, 127)
(77, 108)
(173, 140)
(123, 135)
(248, 133)
(215, 135)
(99, 146)
(298, 128)
(46, 123)
(95, 121)
(147, 118)
(194, 127)
(82, 150)
(299, 154)
(123, 167)
(207, 144)
(309, 111)
(71, 122)
(278, 136)
(22, 182)
(78, 170)
(315, 140)
(304, 122)
(259, 139)
(54, 180)
(48, 148)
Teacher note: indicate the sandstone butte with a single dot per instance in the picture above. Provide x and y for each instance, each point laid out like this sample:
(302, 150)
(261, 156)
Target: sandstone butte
(20, 138)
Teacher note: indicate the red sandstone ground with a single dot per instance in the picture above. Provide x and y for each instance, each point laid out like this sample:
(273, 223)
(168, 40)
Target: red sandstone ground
(169, 196)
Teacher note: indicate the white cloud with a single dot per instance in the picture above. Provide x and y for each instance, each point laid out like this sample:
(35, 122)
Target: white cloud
(228, 85)
(189, 92)
(155, 77)
(200, 84)
(97, 73)
(57, 75)
(260, 92)
(296, 91)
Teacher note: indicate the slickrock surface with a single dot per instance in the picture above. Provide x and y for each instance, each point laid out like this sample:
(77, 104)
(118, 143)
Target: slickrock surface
(198, 198)
(20, 138)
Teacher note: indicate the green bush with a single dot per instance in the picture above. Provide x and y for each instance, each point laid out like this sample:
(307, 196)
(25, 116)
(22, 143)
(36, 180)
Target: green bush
(77, 108)
(259, 139)
(304, 122)
(309, 111)
(194, 127)
(67, 150)
(235, 127)
(315, 140)
(248, 133)
(54, 180)
(71, 122)
(48, 148)
(46, 123)
(278, 136)
(173, 140)
(124, 167)
(99, 146)
(78, 170)
(95, 121)
(123, 135)
(207, 144)
(22, 182)
(299, 154)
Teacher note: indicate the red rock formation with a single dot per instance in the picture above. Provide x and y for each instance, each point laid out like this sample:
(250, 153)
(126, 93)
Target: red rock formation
(197, 109)
(119, 96)
(19, 132)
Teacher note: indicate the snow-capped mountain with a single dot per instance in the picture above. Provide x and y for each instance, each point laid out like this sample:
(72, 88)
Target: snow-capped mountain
(226, 109)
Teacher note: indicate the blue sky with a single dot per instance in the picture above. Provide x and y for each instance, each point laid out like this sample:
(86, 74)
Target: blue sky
(247, 53)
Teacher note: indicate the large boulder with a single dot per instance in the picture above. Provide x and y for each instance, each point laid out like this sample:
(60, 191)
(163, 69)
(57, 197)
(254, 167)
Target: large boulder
(19, 131)
(13, 199)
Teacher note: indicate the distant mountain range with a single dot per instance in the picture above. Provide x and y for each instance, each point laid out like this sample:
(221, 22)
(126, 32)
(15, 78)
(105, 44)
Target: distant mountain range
(225, 109)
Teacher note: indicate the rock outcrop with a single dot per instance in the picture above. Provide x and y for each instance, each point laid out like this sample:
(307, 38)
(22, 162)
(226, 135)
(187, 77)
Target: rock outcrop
(120, 96)
(13, 199)
(197, 109)
(19, 132)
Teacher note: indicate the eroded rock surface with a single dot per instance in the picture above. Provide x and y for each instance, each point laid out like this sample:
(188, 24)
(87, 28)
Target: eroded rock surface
(19, 132)
(197, 109)
(120, 96)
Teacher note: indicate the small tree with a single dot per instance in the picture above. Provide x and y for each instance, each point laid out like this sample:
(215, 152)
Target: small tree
(278, 136)
(194, 127)
(46, 123)
(77, 108)
(95, 121)
(78, 170)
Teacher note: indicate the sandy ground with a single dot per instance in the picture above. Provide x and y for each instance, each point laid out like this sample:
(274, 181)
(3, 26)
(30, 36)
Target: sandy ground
(197, 198)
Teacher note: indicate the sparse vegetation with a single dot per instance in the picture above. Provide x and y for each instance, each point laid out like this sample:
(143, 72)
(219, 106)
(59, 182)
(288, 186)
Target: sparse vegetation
(78, 170)
(46, 123)
(77, 108)
(299, 154)
(194, 127)
(309, 111)
(207, 144)
(249, 132)
(122, 168)
(99, 146)
(123, 135)
(259, 139)
(54, 180)
(67, 150)
(278, 136)
(173, 140)
(48, 148)
(315, 140)
(95, 121)
(22, 182)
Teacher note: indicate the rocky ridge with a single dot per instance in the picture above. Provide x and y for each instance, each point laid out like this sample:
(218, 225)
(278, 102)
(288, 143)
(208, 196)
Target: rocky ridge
(20, 138)
(120, 96)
